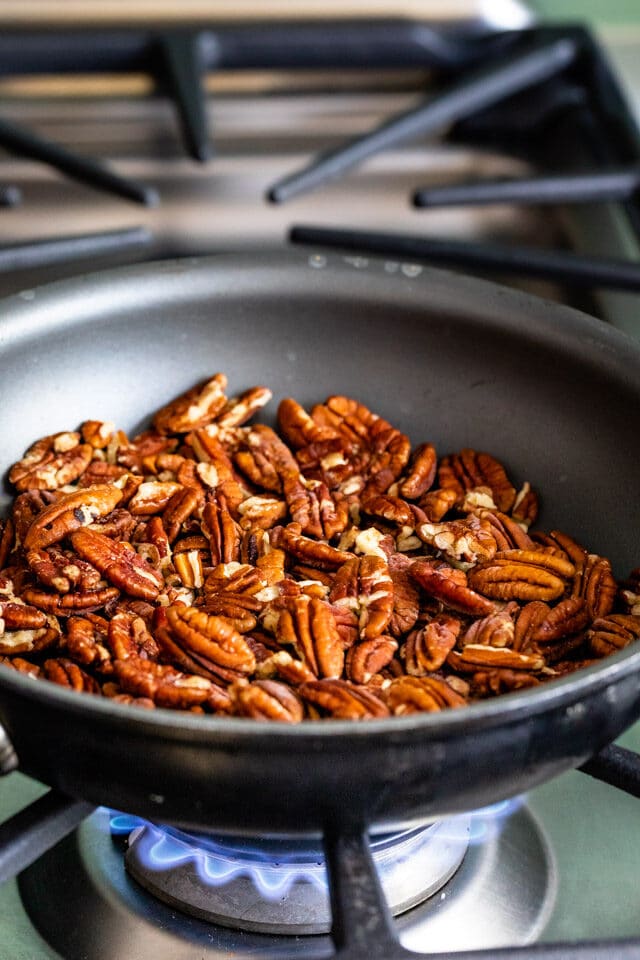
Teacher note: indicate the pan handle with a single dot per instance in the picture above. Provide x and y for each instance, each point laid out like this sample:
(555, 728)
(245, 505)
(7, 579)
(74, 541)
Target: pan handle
(8, 757)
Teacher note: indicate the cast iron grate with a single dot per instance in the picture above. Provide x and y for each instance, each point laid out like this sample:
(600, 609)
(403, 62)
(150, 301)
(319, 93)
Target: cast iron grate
(540, 85)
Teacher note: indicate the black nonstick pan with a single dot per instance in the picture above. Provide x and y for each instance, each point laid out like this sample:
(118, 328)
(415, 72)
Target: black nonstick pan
(552, 393)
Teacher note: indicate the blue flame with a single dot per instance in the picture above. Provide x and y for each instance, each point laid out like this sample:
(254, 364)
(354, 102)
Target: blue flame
(275, 866)
(487, 822)
(163, 849)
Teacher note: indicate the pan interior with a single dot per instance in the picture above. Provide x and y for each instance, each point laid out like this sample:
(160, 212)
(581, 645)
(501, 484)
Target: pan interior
(444, 358)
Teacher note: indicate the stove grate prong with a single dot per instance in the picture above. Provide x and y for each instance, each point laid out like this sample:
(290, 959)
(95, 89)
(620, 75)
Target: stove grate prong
(36, 254)
(184, 63)
(618, 184)
(473, 93)
(25, 143)
(362, 923)
(557, 265)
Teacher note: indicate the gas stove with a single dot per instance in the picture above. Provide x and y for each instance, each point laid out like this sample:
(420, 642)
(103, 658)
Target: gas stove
(275, 105)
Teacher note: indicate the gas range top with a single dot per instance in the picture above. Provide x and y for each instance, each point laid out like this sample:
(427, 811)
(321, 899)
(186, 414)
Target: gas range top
(557, 865)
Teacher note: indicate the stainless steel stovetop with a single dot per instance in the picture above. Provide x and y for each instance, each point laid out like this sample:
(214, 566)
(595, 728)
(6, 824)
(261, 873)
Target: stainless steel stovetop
(576, 838)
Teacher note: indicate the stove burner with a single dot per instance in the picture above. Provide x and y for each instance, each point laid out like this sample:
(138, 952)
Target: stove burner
(501, 895)
(279, 885)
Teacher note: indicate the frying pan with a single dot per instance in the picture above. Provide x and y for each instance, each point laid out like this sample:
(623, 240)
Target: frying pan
(552, 393)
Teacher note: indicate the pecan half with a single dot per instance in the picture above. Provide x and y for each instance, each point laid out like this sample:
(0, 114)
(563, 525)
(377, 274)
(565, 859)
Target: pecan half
(612, 633)
(69, 513)
(308, 625)
(422, 472)
(267, 700)
(205, 644)
(68, 674)
(467, 541)
(87, 641)
(437, 503)
(427, 649)
(522, 575)
(51, 463)
(364, 585)
(369, 657)
(594, 582)
(406, 695)
(312, 552)
(468, 469)
(265, 459)
(168, 687)
(566, 618)
(496, 630)
(343, 700)
(61, 570)
(222, 530)
(449, 586)
(475, 655)
(119, 564)
(193, 409)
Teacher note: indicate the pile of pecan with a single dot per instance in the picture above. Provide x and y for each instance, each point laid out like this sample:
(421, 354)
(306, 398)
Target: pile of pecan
(327, 570)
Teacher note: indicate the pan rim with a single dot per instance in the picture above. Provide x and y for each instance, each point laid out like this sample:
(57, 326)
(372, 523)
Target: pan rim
(485, 301)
